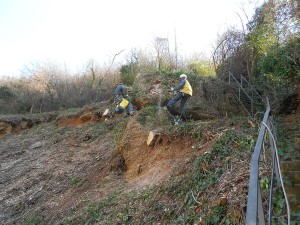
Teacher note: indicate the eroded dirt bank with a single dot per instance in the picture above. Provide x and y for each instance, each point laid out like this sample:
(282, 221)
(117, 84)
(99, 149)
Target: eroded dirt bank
(49, 169)
(56, 169)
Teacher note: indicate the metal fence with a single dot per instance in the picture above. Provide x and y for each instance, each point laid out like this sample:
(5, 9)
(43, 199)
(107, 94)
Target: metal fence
(255, 210)
(248, 97)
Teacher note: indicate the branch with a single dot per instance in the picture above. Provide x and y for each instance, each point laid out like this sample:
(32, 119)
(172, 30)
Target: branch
(106, 72)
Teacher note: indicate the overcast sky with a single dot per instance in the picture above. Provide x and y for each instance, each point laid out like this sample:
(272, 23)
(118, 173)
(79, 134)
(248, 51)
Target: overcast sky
(74, 31)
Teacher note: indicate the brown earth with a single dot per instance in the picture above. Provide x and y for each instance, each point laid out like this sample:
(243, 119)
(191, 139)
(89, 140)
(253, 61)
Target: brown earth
(59, 167)
(147, 165)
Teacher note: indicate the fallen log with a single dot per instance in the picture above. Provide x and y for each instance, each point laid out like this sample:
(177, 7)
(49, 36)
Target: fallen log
(106, 113)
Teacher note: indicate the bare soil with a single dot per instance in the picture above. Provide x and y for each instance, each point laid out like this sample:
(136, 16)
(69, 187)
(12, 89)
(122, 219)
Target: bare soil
(55, 169)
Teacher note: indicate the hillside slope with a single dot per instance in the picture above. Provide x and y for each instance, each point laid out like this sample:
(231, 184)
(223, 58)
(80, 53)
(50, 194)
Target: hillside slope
(79, 168)
(51, 173)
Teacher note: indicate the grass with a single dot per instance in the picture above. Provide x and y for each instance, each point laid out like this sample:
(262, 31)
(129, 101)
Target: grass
(119, 129)
(98, 131)
(285, 152)
(75, 181)
(153, 116)
(179, 200)
(34, 219)
(69, 112)
(172, 202)
(184, 199)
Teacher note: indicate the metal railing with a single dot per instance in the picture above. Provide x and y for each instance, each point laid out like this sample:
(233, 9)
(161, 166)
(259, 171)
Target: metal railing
(255, 211)
(248, 97)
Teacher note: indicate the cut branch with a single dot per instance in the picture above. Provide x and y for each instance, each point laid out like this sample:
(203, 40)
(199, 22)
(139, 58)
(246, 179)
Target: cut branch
(154, 136)
(105, 113)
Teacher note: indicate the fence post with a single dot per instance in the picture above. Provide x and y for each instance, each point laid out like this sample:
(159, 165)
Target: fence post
(261, 214)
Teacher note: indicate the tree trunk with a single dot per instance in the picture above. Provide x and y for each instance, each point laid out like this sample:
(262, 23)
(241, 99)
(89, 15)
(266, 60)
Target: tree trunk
(154, 136)
(106, 113)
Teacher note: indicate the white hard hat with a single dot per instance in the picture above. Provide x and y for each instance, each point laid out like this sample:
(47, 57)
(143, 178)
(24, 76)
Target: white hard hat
(183, 76)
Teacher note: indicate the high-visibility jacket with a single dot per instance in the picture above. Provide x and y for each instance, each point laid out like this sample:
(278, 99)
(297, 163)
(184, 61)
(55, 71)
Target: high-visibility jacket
(187, 88)
(124, 103)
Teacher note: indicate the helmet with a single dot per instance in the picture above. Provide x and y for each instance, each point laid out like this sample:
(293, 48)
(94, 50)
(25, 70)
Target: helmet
(183, 76)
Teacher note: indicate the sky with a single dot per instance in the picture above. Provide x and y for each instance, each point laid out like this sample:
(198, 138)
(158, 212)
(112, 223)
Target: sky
(71, 32)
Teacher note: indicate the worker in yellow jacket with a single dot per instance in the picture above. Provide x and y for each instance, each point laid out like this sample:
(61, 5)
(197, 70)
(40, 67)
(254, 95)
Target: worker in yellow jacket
(122, 101)
(184, 92)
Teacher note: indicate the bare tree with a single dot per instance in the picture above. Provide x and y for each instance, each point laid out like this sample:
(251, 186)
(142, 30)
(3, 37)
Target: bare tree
(161, 46)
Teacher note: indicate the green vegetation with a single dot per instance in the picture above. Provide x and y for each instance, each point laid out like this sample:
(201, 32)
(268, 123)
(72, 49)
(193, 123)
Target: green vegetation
(201, 68)
(282, 61)
(34, 219)
(153, 116)
(75, 181)
(266, 52)
(212, 189)
(187, 198)
(128, 74)
(119, 129)
(172, 73)
(63, 130)
(98, 131)
(5, 93)
(69, 112)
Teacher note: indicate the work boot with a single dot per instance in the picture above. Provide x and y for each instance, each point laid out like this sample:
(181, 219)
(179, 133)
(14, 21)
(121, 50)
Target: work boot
(176, 121)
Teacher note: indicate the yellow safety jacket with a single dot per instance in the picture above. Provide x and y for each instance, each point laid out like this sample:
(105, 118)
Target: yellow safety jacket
(187, 88)
(124, 103)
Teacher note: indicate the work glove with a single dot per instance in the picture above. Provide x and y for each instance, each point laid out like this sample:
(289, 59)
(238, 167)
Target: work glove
(175, 92)
(128, 98)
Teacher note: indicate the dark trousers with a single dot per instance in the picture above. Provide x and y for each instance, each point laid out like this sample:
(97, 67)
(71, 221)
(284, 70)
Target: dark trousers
(183, 99)
(118, 99)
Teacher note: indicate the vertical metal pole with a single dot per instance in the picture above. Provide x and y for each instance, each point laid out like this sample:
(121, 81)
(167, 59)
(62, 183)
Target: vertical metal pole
(271, 189)
(261, 215)
(241, 81)
(273, 153)
(251, 105)
(251, 214)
